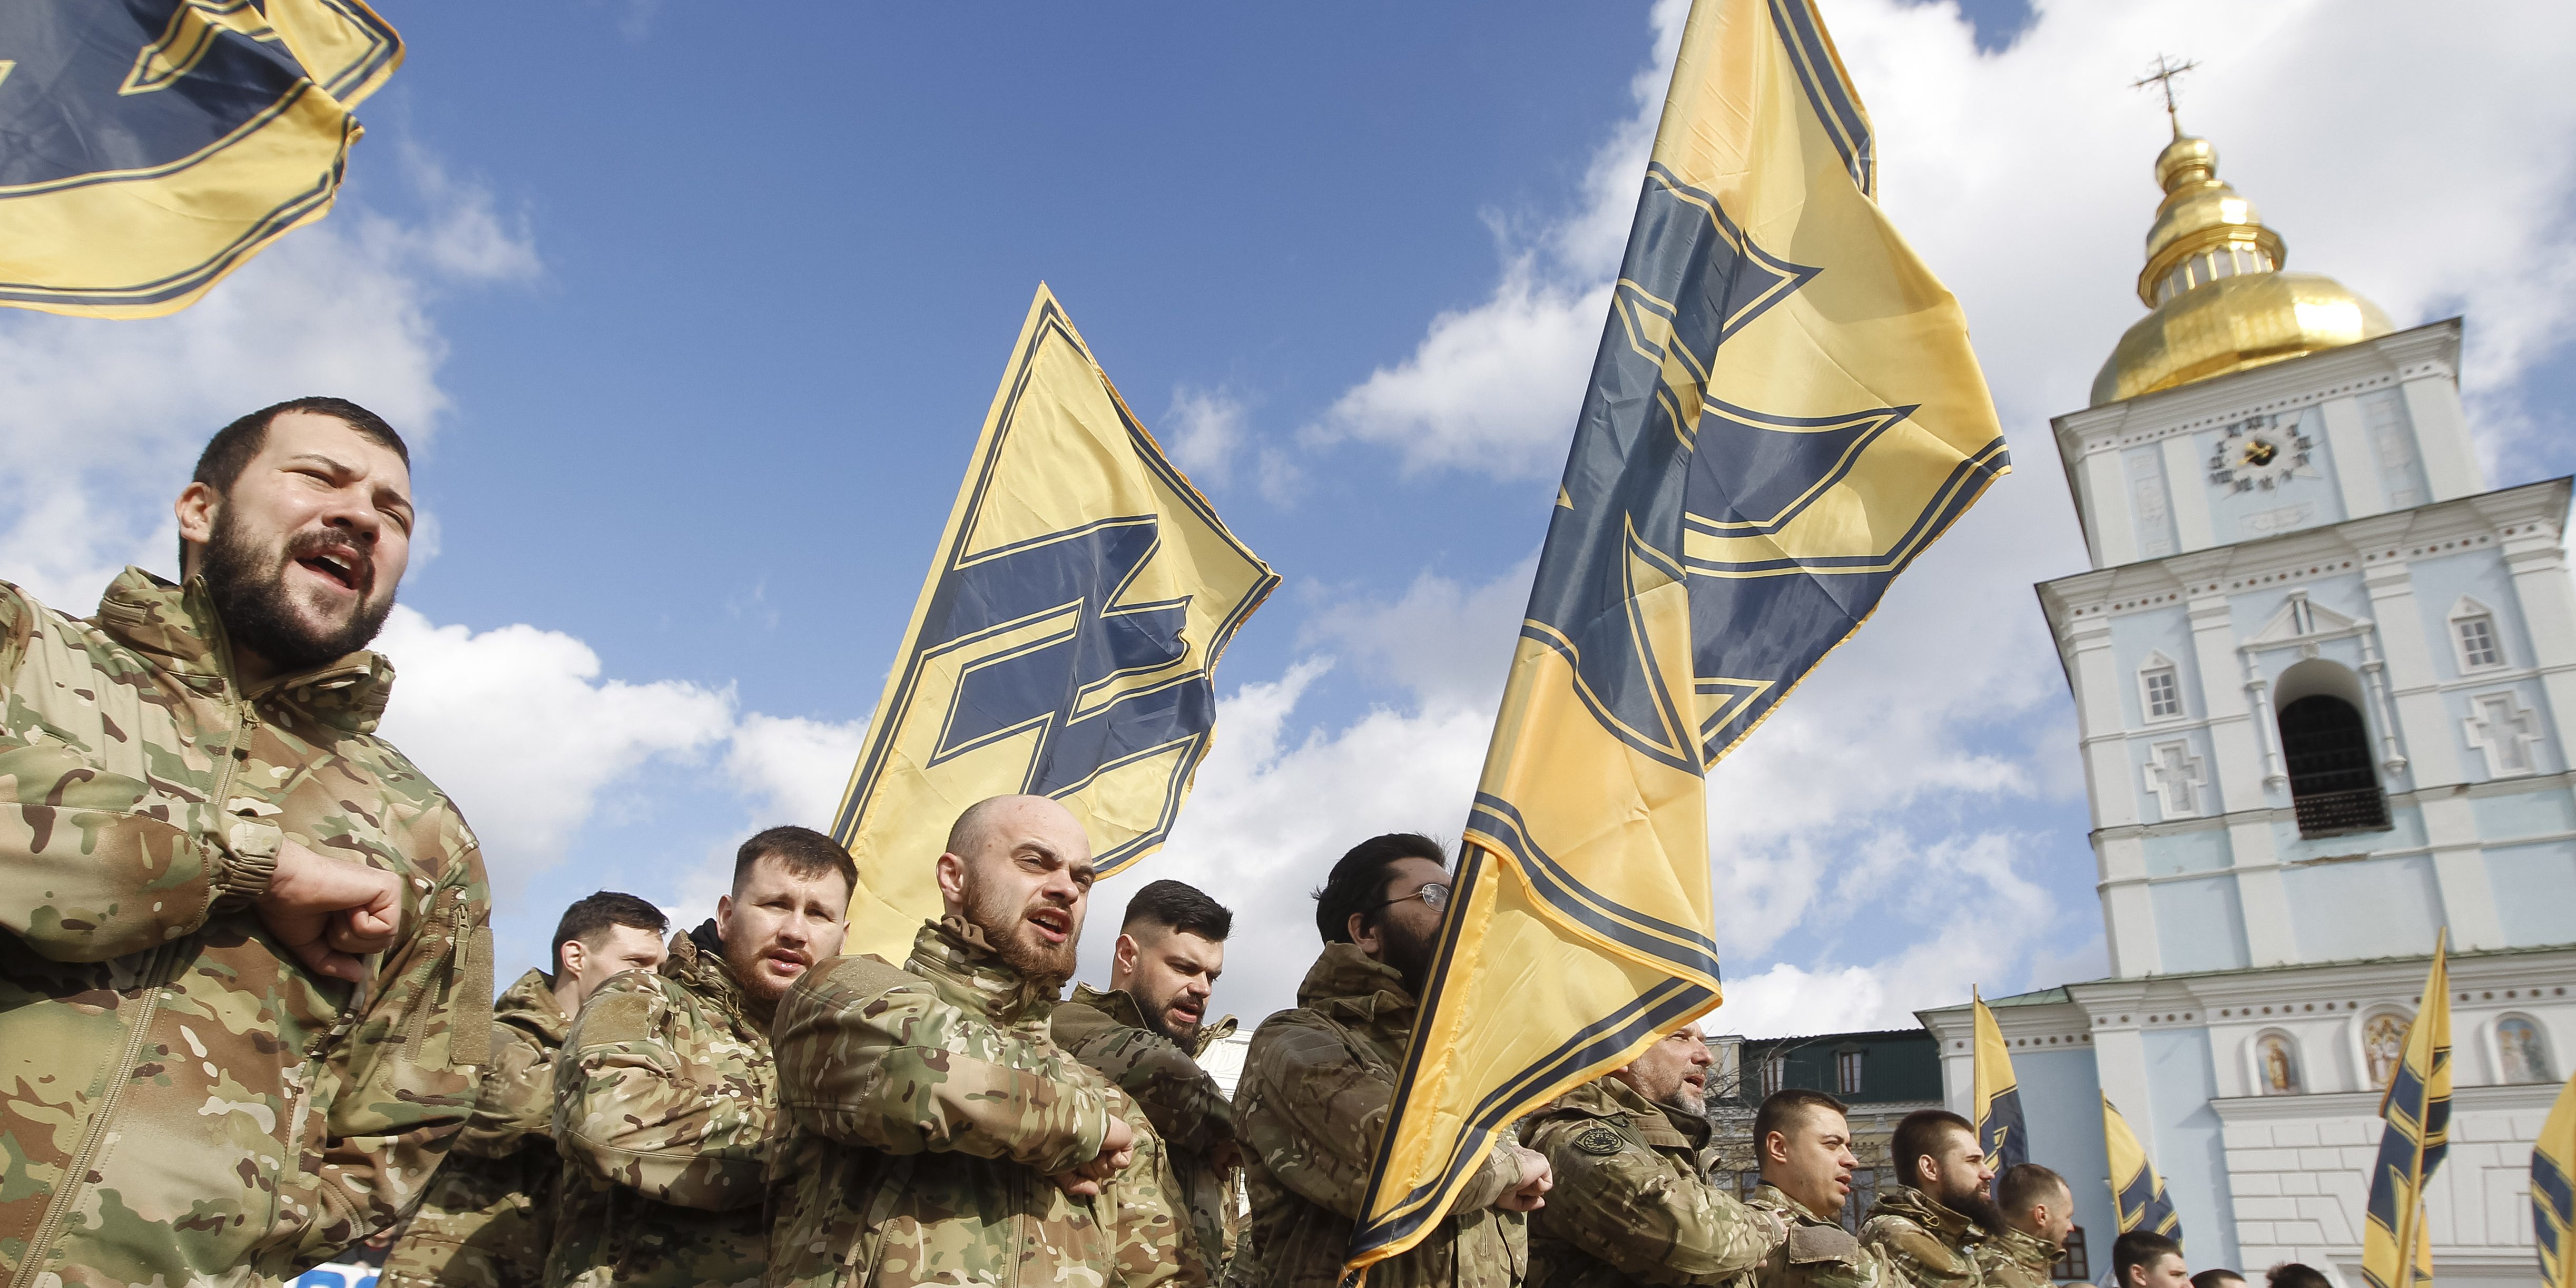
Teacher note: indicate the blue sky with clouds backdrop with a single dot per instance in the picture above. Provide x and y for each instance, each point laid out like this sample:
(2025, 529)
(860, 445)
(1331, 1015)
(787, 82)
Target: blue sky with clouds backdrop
(692, 316)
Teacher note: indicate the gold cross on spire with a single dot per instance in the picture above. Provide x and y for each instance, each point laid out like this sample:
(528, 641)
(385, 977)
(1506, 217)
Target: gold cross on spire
(2163, 78)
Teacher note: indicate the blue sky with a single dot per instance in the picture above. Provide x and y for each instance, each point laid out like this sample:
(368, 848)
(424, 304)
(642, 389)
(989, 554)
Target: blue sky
(693, 324)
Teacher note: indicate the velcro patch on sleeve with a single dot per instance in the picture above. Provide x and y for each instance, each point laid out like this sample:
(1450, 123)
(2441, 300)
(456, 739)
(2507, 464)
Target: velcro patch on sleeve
(1813, 1243)
(1599, 1140)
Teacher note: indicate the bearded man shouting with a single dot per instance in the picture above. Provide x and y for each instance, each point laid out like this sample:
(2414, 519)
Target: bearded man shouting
(245, 963)
(936, 1133)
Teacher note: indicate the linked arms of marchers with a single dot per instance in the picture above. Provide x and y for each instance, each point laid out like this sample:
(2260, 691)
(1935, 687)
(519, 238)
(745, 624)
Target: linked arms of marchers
(870, 1055)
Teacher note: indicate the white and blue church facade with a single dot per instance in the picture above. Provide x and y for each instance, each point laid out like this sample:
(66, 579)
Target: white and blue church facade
(2324, 675)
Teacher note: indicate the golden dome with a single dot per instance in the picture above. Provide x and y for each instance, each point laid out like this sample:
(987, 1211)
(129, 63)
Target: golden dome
(2218, 300)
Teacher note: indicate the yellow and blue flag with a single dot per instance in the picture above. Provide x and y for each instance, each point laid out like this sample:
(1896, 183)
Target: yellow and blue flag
(1998, 1109)
(149, 147)
(2553, 1192)
(1065, 643)
(2137, 1193)
(2396, 1250)
(1783, 413)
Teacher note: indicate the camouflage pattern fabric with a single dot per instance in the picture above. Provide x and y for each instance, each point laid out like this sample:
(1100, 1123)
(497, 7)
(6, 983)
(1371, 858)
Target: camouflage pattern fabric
(181, 1102)
(1632, 1204)
(926, 1109)
(1107, 1031)
(1930, 1244)
(489, 1214)
(665, 1103)
(2013, 1259)
(1818, 1253)
(1310, 1109)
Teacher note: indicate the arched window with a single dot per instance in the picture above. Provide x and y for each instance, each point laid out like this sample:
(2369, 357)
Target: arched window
(2383, 1045)
(2327, 751)
(2522, 1051)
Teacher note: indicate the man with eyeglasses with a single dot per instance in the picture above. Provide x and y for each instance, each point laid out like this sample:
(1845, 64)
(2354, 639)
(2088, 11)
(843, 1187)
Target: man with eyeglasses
(1318, 1080)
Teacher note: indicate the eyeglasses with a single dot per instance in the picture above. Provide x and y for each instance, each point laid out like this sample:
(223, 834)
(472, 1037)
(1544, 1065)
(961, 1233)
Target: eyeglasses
(1434, 896)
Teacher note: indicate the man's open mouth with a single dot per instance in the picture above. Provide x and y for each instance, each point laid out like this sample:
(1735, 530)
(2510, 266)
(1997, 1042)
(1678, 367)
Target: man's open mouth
(786, 963)
(338, 565)
(1055, 925)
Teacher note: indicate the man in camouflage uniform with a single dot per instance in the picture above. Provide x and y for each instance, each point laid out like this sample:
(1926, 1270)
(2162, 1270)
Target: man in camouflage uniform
(1146, 1034)
(1632, 1203)
(489, 1215)
(666, 1099)
(937, 1135)
(245, 963)
(1929, 1227)
(1318, 1082)
(1803, 1141)
(2035, 1209)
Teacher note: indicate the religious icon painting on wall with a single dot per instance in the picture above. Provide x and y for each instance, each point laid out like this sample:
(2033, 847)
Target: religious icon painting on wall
(2523, 1051)
(2280, 1064)
(2383, 1044)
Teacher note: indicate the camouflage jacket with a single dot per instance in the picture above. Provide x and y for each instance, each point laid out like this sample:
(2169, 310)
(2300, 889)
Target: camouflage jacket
(665, 1102)
(1310, 1108)
(1632, 1205)
(489, 1214)
(2012, 1259)
(182, 1102)
(1818, 1252)
(927, 1107)
(1930, 1244)
(1189, 1111)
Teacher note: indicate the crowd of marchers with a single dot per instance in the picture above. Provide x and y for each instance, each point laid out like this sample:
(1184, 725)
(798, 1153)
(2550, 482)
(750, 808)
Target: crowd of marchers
(246, 1018)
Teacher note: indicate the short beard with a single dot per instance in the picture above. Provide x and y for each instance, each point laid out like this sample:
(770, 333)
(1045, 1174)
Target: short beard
(760, 993)
(1155, 1009)
(250, 599)
(1974, 1206)
(1410, 957)
(1686, 1102)
(1004, 928)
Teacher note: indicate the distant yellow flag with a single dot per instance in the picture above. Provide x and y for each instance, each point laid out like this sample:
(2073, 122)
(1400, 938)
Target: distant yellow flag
(149, 147)
(1998, 1095)
(1065, 643)
(2553, 1192)
(2416, 1113)
(1784, 412)
(2137, 1194)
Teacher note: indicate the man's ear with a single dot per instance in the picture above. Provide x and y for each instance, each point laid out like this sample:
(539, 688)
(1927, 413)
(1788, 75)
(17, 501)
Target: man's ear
(952, 879)
(1123, 956)
(1363, 935)
(1775, 1147)
(568, 958)
(196, 509)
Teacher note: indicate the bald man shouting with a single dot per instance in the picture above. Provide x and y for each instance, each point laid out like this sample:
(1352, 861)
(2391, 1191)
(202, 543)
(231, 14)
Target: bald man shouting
(936, 1134)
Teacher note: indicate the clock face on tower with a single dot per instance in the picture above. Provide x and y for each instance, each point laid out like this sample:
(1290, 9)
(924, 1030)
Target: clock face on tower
(2258, 452)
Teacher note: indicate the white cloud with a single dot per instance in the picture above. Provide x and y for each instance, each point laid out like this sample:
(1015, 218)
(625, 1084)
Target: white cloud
(1204, 432)
(794, 769)
(517, 727)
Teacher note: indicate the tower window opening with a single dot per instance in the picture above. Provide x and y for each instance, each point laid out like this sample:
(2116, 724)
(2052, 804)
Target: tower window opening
(2332, 784)
(2164, 694)
(2478, 641)
(1847, 1073)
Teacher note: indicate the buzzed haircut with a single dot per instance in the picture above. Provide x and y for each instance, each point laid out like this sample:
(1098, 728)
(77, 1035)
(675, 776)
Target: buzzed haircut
(2291, 1274)
(1923, 1132)
(2219, 1278)
(2144, 1248)
(802, 851)
(2025, 1185)
(593, 914)
(230, 451)
(1174, 905)
(1359, 880)
(1784, 1109)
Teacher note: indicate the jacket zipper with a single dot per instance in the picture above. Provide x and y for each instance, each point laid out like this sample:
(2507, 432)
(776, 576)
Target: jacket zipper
(75, 1179)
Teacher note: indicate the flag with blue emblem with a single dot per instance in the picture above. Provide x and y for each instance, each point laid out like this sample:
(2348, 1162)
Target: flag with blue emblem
(2553, 1192)
(1064, 645)
(2415, 1117)
(1783, 413)
(149, 147)
(1998, 1096)
(2137, 1193)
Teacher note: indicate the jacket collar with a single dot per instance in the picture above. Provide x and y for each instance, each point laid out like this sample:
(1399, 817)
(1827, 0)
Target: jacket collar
(1657, 1126)
(697, 963)
(178, 630)
(953, 953)
(2029, 1250)
(1929, 1212)
(1120, 1006)
(1358, 986)
(1769, 1195)
(530, 1005)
